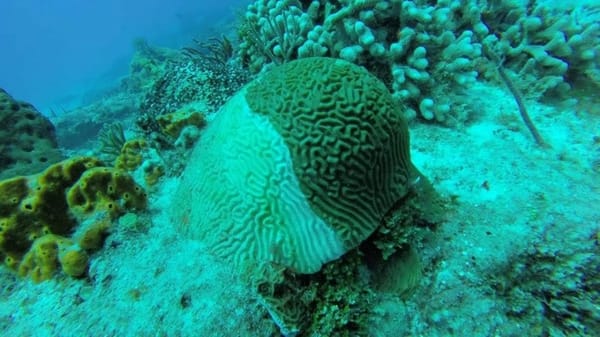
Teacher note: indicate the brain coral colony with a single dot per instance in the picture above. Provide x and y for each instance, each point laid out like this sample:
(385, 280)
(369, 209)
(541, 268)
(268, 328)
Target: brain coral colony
(51, 220)
(296, 170)
(29, 144)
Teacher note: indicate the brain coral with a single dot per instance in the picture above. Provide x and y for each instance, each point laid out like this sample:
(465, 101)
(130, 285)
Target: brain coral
(298, 167)
(27, 140)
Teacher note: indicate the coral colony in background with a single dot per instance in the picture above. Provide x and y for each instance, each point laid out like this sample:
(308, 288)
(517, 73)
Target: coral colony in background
(290, 139)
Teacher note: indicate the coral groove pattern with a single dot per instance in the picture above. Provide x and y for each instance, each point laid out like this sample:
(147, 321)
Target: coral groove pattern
(348, 142)
(297, 168)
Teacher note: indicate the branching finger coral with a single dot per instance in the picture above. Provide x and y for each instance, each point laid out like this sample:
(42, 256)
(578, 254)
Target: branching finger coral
(429, 53)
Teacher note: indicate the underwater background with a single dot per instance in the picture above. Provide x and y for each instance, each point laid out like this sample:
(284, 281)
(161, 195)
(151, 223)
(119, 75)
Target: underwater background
(300, 168)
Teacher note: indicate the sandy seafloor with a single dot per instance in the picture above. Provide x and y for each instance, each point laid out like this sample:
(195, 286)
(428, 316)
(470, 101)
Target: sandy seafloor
(513, 199)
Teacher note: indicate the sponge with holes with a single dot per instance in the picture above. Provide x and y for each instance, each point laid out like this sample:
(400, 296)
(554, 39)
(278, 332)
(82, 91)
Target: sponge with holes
(52, 205)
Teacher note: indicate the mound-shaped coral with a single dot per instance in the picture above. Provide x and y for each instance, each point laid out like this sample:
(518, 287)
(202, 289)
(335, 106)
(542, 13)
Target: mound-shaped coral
(298, 167)
(27, 141)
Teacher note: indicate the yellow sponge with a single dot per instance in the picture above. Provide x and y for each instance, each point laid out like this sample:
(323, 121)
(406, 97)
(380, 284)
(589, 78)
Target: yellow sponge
(172, 124)
(93, 236)
(105, 189)
(39, 213)
(152, 173)
(50, 252)
(131, 157)
(41, 262)
(74, 261)
(12, 191)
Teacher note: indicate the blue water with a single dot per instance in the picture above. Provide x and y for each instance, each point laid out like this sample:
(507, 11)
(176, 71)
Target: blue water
(54, 51)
